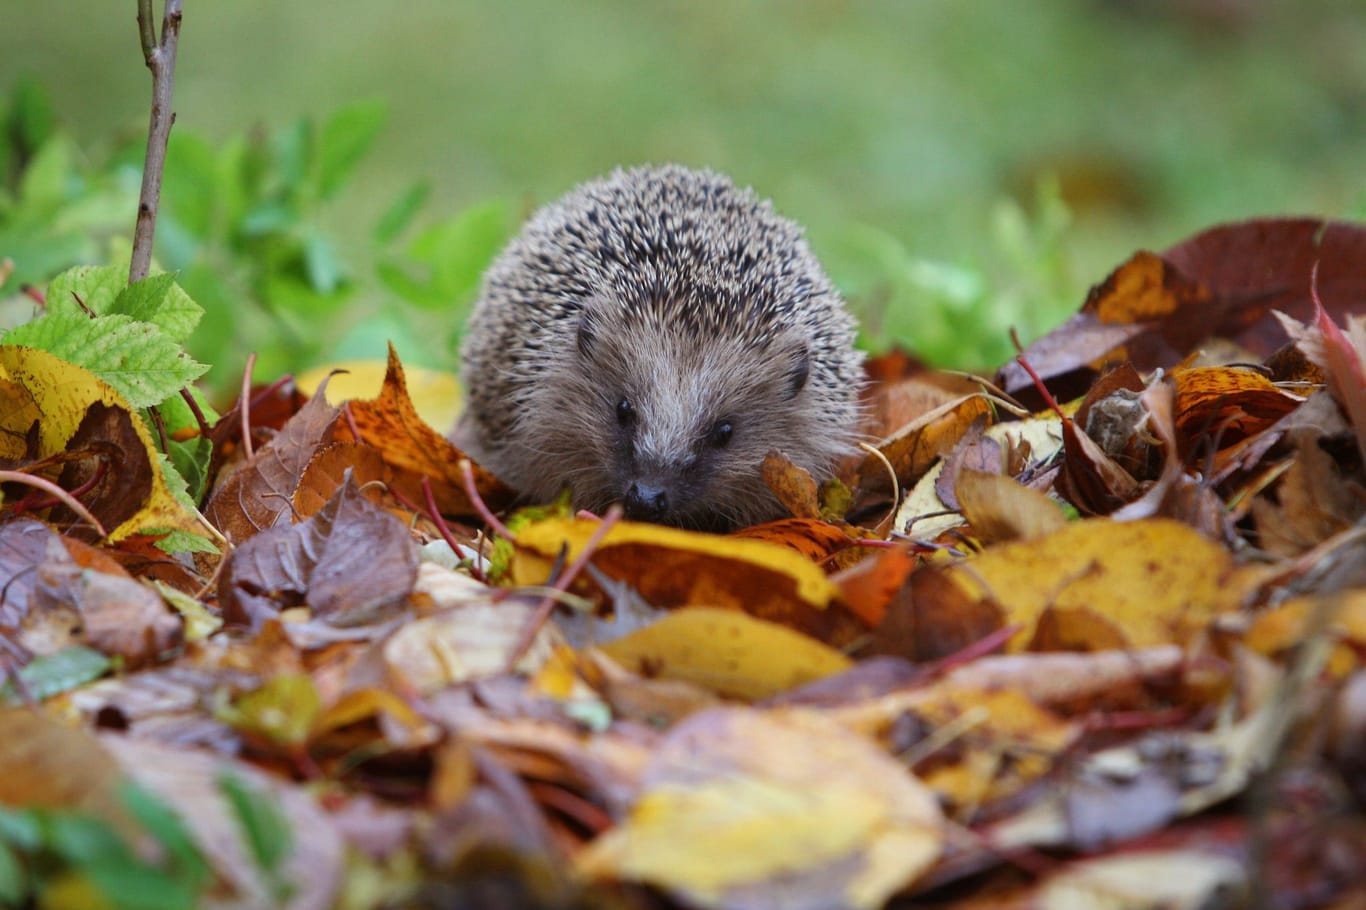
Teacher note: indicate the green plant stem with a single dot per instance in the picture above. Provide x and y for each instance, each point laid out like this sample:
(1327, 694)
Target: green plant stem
(160, 59)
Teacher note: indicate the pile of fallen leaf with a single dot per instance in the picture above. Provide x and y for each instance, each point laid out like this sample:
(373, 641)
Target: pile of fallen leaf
(1086, 634)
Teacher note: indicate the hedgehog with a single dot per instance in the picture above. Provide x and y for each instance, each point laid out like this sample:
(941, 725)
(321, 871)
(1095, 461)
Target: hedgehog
(648, 339)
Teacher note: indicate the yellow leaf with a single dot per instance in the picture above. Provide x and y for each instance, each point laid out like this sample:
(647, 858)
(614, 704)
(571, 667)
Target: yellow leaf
(727, 652)
(62, 394)
(434, 393)
(740, 802)
(1100, 584)
(283, 710)
(672, 568)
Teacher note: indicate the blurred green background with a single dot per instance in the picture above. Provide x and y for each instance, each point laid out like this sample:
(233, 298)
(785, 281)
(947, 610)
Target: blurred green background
(961, 166)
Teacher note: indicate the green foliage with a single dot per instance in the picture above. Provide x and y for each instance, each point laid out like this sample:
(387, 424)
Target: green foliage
(267, 833)
(961, 314)
(242, 227)
(62, 857)
(69, 858)
(50, 674)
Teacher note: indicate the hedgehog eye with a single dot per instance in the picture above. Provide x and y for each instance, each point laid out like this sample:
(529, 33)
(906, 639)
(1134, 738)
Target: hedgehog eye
(626, 412)
(720, 434)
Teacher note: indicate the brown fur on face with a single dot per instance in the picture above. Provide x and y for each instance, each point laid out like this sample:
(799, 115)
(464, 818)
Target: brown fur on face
(654, 334)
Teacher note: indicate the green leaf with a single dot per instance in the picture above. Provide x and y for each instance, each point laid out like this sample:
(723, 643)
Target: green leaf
(290, 148)
(320, 261)
(97, 287)
(453, 254)
(141, 363)
(160, 301)
(51, 674)
(14, 883)
(190, 183)
(345, 138)
(33, 119)
(177, 541)
(166, 825)
(267, 832)
(47, 178)
(21, 829)
(400, 214)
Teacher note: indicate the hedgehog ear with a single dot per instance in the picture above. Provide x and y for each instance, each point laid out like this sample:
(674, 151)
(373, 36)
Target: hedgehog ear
(587, 335)
(800, 360)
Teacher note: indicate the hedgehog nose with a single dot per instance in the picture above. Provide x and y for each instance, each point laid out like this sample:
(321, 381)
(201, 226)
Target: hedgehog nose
(646, 503)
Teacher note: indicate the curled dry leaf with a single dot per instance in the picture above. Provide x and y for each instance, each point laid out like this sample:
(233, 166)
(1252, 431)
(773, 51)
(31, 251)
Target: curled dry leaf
(916, 446)
(1201, 288)
(1000, 508)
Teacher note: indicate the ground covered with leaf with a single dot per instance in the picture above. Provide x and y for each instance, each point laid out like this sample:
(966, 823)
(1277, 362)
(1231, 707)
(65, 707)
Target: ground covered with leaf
(1087, 633)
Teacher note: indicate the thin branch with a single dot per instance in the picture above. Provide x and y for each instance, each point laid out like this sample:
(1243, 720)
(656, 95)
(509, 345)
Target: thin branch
(160, 58)
(146, 31)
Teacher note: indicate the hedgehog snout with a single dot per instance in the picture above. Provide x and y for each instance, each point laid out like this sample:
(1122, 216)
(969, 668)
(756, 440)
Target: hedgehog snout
(646, 502)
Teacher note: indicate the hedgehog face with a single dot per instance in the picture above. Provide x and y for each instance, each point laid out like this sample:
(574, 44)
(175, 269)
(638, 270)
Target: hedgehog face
(680, 430)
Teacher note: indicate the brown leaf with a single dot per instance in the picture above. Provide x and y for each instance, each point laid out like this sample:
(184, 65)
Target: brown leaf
(259, 494)
(414, 450)
(1000, 508)
(932, 617)
(1312, 501)
(794, 486)
(1224, 282)
(917, 445)
(1226, 405)
(349, 563)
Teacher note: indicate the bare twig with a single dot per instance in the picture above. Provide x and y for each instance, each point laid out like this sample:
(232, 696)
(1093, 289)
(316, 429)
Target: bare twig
(547, 604)
(52, 489)
(160, 59)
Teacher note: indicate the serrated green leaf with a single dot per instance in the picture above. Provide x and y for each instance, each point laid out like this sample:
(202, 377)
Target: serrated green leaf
(400, 214)
(160, 301)
(344, 140)
(190, 459)
(97, 287)
(51, 674)
(135, 358)
(176, 542)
